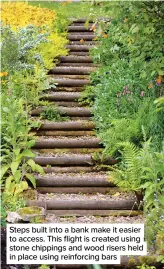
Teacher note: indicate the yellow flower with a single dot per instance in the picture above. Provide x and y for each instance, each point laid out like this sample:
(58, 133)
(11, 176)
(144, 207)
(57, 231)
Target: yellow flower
(18, 14)
(3, 74)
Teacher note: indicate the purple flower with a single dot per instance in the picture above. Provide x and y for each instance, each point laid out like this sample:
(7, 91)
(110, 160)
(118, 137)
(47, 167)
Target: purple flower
(142, 93)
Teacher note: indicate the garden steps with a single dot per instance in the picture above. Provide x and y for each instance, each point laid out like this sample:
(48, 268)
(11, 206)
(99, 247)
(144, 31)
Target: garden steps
(75, 183)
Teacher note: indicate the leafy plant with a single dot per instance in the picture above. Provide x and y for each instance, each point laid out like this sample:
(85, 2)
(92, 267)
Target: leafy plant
(50, 113)
(17, 162)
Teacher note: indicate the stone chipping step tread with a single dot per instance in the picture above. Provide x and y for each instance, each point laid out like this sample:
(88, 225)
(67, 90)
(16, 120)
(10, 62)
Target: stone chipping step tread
(51, 151)
(65, 133)
(79, 37)
(97, 213)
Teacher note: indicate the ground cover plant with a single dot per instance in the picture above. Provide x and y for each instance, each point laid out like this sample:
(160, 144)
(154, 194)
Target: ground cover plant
(127, 99)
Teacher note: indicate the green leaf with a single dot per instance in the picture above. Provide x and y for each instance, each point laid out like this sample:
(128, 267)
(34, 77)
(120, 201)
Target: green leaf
(17, 176)
(14, 167)
(161, 199)
(39, 169)
(32, 164)
(22, 186)
(16, 151)
(160, 258)
(27, 153)
(135, 30)
(4, 170)
(32, 179)
(161, 72)
(8, 183)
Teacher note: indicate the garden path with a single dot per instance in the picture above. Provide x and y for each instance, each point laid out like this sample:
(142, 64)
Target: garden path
(75, 184)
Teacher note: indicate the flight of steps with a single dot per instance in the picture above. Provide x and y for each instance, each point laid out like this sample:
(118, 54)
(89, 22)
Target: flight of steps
(65, 149)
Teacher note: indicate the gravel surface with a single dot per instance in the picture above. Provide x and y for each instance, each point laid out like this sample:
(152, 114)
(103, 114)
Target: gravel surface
(58, 152)
(56, 138)
(37, 119)
(94, 219)
(87, 197)
(77, 175)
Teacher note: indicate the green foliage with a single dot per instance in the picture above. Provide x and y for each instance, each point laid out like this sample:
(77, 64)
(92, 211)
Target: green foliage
(159, 103)
(130, 76)
(16, 148)
(143, 170)
(145, 266)
(44, 266)
(128, 175)
(71, 9)
(10, 206)
(52, 113)
(26, 55)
